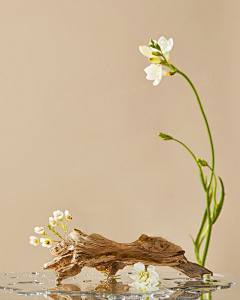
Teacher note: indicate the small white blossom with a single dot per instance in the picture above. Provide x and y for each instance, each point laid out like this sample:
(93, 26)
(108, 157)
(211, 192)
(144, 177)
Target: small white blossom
(155, 72)
(67, 215)
(165, 45)
(146, 51)
(58, 215)
(34, 241)
(52, 221)
(39, 230)
(144, 281)
(46, 242)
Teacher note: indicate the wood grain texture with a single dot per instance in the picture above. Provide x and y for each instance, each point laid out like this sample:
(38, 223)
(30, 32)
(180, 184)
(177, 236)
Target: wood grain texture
(79, 250)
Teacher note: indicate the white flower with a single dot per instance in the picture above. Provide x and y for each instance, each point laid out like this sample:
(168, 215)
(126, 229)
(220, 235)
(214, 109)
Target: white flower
(155, 72)
(165, 45)
(39, 230)
(144, 281)
(34, 241)
(58, 215)
(146, 51)
(67, 215)
(46, 242)
(52, 221)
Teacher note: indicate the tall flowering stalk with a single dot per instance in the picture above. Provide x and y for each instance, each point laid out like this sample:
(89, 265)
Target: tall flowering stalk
(158, 54)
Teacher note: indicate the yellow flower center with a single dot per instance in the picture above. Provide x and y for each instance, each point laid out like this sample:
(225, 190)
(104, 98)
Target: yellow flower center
(143, 276)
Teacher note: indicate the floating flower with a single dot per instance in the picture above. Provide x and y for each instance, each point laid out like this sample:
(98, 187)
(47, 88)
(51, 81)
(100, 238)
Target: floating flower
(39, 230)
(46, 242)
(146, 51)
(58, 215)
(68, 216)
(144, 281)
(52, 221)
(155, 72)
(34, 241)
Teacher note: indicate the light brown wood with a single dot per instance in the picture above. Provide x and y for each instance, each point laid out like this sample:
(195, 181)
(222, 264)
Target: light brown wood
(79, 250)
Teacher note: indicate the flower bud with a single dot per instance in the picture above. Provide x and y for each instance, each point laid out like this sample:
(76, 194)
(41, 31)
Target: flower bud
(34, 241)
(164, 136)
(202, 162)
(68, 216)
(39, 230)
(155, 60)
(146, 51)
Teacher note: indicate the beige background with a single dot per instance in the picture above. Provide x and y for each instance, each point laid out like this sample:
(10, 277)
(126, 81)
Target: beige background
(79, 122)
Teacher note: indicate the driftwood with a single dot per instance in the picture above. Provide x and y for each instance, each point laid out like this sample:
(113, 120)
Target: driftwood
(79, 250)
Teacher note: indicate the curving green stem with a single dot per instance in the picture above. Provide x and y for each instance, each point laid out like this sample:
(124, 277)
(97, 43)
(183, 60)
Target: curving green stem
(205, 251)
(194, 157)
(206, 123)
(212, 169)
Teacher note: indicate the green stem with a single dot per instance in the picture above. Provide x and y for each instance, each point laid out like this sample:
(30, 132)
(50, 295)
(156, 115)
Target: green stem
(209, 231)
(186, 148)
(205, 120)
(56, 233)
(212, 169)
(194, 157)
(202, 227)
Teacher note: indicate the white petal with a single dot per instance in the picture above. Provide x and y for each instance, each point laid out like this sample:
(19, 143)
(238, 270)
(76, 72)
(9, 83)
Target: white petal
(151, 77)
(164, 73)
(151, 69)
(134, 276)
(139, 267)
(154, 274)
(150, 268)
(153, 288)
(154, 280)
(146, 51)
(170, 42)
(36, 229)
(166, 55)
(156, 81)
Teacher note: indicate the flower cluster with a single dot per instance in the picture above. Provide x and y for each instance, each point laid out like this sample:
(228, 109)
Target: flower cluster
(144, 281)
(56, 220)
(158, 54)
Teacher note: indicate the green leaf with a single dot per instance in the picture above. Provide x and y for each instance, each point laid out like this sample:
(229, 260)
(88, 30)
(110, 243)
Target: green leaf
(192, 240)
(202, 178)
(49, 227)
(220, 203)
(164, 136)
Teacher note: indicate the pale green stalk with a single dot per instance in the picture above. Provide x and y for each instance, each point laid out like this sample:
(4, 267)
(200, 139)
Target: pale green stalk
(212, 169)
(209, 190)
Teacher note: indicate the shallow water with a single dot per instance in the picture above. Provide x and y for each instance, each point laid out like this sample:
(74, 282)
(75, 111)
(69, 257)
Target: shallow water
(89, 286)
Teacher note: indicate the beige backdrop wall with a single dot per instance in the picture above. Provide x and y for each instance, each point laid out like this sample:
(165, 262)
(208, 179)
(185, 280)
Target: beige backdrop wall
(79, 122)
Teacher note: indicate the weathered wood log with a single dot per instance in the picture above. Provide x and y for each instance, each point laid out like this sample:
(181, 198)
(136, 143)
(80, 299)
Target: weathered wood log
(79, 250)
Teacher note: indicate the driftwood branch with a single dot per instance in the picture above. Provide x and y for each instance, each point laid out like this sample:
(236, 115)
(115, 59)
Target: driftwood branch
(79, 250)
